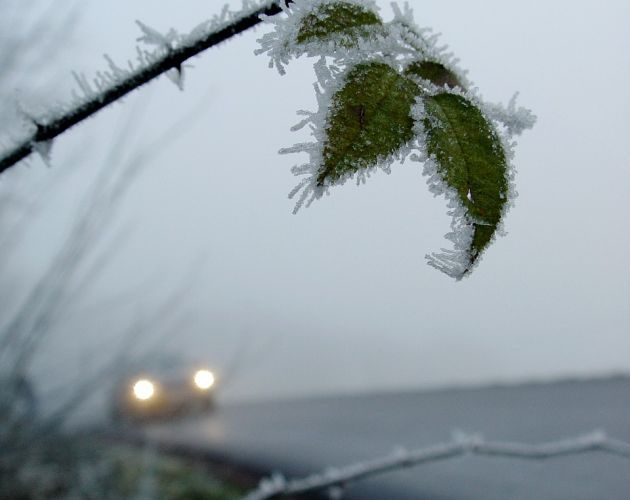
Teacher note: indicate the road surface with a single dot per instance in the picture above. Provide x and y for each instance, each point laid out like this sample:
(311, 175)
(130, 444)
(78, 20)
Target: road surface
(304, 436)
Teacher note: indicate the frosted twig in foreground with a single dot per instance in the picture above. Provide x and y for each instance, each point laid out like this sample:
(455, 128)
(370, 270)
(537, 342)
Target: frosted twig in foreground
(123, 81)
(277, 486)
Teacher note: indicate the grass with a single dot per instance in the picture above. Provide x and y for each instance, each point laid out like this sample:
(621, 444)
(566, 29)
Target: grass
(75, 466)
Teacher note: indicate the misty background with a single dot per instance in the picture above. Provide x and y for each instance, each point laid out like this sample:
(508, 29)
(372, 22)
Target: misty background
(338, 298)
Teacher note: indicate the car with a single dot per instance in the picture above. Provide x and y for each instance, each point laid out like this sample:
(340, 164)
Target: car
(163, 391)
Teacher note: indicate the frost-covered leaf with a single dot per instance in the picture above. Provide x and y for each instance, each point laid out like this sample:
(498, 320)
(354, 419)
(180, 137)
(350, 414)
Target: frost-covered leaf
(344, 21)
(435, 72)
(335, 28)
(471, 160)
(386, 91)
(369, 120)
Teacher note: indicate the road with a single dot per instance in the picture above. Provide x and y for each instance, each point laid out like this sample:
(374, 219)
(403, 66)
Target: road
(304, 436)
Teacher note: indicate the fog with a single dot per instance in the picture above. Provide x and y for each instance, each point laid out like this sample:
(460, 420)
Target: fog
(339, 299)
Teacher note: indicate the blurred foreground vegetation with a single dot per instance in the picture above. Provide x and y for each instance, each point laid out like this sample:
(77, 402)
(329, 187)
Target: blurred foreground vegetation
(78, 467)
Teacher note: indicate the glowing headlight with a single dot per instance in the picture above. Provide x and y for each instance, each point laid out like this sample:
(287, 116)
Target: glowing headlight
(143, 389)
(204, 379)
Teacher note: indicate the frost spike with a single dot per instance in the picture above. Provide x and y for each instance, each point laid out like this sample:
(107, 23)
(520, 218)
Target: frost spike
(206, 36)
(176, 75)
(43, 149)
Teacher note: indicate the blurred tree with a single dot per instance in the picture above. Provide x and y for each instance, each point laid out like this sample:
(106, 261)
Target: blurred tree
(35, 310)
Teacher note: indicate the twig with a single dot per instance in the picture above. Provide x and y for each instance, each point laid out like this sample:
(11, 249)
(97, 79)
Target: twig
(173, 59)
(278, 486)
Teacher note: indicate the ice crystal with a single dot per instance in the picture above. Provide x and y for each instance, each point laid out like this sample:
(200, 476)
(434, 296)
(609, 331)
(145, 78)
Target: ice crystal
(321, 28)
(43, 149)
(153, 47)
(515, 120)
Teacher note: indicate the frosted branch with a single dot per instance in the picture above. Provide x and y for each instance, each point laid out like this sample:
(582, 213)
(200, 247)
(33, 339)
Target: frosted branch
(116, 82)
(278, 486)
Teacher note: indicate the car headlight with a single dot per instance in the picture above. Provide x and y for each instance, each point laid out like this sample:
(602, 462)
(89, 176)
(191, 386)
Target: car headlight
(203, 379)
(143, 389)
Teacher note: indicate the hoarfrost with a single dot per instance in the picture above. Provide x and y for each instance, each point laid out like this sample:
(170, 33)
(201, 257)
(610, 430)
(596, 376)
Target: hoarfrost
(397, 46)
(330, 79)
(461, 444)
(176, 75)
(515, 120)
(458, 261)
(43, 149)
(153, 37)
(424, 42)
(281, 44)
(269, 485)
(398, 43)
(153, 48)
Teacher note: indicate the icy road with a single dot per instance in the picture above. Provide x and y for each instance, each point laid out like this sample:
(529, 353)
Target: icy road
(305, 436)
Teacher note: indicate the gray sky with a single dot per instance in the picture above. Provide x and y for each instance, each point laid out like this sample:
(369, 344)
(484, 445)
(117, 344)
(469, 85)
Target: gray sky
(338, 298)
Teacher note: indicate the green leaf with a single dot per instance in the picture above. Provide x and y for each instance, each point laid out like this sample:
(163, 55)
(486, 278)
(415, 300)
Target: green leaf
(471, 160)
(330, 20)
(435, 72)
(369, 119)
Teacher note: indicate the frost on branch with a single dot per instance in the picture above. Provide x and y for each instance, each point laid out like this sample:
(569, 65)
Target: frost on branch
(43, 149)
(386, 90)
(158, 53)
(461, 445)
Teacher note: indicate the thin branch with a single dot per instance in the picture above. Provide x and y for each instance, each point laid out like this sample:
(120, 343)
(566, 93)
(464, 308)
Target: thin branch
(277, 486)
(173, 59)
(62, 282)
(49, 293)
